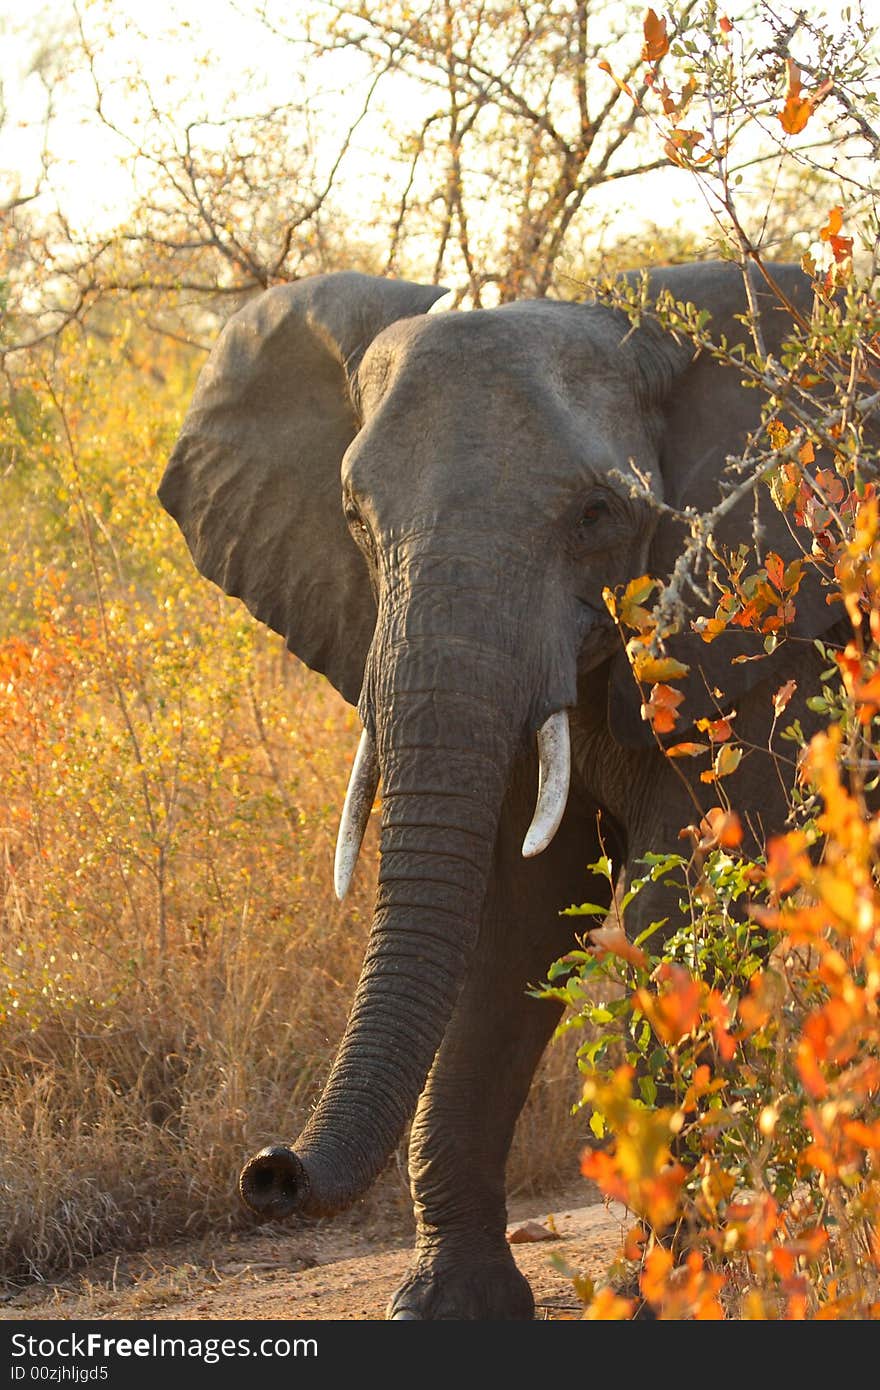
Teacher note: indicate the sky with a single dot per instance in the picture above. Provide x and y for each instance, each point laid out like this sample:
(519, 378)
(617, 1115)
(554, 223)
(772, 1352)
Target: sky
(201, 56)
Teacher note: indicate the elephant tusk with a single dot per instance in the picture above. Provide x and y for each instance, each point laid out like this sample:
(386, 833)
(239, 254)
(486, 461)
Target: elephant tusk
(355, 813)
(554, 772)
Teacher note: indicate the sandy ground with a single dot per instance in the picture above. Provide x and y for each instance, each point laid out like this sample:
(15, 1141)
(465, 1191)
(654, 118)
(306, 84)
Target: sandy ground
(314, 1272)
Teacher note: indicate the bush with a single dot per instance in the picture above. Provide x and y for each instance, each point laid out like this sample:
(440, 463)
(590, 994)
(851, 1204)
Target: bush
(737, 1074)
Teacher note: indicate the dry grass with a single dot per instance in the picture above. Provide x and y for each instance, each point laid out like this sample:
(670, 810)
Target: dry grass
(175, 973)
(159, 1028)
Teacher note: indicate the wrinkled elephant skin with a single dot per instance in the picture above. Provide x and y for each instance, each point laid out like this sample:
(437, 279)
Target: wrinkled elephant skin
(428, 506)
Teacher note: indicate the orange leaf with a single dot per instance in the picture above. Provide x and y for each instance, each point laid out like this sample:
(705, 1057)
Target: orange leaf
(775, 569)
(782, 696)
(720, 1016)
(613, 940)
(601, 1168)
(687, 750)
(709, 628)
(624, 86)
(658, 1267)
(868, 1136)
(607, 1306)
(810, 1073)
(656, 41)
(675, 1011)
(719, 730)
(869, 691)
(660, 708)
(795, 114)
(841, 246)
(684, 142)
(634, 1241)
(793, 78)
(719, 827)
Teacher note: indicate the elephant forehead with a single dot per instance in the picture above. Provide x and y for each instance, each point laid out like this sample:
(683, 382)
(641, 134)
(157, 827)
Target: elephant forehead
(540, 384)
(514, 345)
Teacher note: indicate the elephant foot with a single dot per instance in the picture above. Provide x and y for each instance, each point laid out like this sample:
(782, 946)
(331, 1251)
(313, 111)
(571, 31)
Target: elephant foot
(484, 1287)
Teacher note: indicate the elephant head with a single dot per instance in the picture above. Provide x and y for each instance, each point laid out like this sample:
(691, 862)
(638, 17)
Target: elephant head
(428, 507)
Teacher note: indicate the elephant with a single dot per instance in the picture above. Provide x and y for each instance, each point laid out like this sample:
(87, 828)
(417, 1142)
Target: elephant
(428, 505)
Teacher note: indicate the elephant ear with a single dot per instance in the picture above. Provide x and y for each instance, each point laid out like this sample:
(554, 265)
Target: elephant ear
(708, 415)
(254, 479)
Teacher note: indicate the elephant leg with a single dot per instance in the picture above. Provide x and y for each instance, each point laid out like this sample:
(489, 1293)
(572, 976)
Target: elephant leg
(463, 1127)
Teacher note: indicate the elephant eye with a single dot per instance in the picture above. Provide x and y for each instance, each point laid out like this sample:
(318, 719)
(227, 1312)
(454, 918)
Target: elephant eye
(592, 513)
(358, 527)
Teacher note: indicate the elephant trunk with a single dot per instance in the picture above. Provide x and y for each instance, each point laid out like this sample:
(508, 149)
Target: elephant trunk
(445, 759)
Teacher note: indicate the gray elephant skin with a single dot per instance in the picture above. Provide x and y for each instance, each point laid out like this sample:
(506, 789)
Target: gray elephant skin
(427, 507)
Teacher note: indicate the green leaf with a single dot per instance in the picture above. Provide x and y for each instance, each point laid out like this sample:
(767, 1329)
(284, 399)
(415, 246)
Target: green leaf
(597, 1124)
(602, 866)
(559, 967)
(600, 1014)
(648, 1089)
(650, 930)
(591, 1050)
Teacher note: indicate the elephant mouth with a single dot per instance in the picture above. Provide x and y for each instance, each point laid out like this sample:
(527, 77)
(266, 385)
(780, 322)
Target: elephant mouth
(598, 636)
(554, 777)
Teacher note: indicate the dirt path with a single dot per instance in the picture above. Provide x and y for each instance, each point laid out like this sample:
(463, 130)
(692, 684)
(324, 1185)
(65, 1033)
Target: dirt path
(312, 1273)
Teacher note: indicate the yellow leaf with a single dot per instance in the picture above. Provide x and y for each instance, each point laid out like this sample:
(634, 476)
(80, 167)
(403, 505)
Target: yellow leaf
(728, 760)
(779, 435)
(634, 595)
(651, 669)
